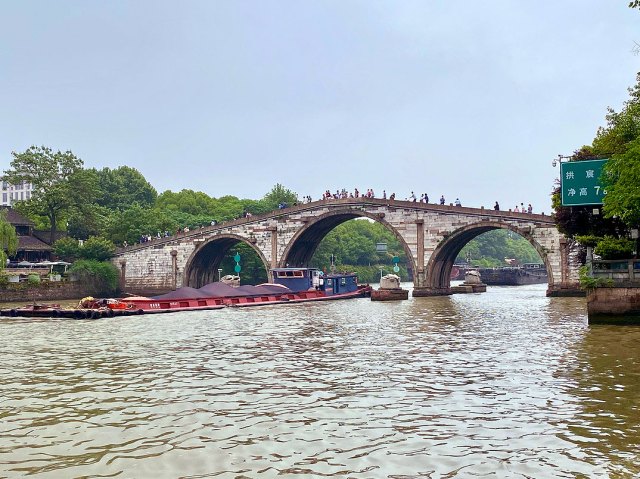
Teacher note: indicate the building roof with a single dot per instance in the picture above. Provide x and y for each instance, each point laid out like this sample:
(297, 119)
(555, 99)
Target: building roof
(45, 235)
(14, 217)
(30, 243)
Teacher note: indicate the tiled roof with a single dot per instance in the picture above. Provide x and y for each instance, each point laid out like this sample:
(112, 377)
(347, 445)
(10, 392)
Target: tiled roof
(14, 217)
(30, 243)
(45, 235)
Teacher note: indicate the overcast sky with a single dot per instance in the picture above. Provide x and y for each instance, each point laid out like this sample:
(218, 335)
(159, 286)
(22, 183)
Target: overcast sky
(468, 99)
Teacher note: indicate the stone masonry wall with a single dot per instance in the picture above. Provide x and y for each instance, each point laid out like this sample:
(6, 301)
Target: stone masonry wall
(45, 292)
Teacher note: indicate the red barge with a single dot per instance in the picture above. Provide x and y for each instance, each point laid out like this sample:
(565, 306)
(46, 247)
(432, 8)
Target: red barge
(291, 285)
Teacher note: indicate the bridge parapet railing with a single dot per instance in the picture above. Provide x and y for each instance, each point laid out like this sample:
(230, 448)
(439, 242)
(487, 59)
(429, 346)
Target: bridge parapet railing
(620, 271)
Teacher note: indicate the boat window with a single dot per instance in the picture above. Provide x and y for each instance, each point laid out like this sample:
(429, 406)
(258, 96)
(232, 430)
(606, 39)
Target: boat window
(290, 274)
(343, 281)
(329, 281)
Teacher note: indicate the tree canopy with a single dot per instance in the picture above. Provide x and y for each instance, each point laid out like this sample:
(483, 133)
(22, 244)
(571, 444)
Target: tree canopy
(122, 187)
(59, 182)
(621, 137)
(619, 142)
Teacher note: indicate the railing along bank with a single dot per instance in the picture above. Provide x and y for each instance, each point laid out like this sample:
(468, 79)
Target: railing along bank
(620, 271)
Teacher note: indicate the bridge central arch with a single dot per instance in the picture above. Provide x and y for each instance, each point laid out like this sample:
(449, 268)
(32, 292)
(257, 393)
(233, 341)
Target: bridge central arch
(202, 266)
(441, 262)
(304, 243)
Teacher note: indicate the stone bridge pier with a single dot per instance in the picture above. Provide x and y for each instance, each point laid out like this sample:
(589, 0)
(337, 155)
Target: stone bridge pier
(431, 236)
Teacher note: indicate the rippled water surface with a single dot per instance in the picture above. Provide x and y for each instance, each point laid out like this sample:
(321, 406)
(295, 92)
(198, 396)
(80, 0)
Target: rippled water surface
(503, 384)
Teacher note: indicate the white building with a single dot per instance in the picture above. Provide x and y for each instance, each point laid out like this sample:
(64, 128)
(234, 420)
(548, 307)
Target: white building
(9, 194)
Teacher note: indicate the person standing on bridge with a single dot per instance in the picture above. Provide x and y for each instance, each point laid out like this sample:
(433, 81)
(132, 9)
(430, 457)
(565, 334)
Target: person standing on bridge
(458, 202)
(442, 200)
(529, 209)
(496, 206)
(426, 198)
(412, 197)
(384, 194)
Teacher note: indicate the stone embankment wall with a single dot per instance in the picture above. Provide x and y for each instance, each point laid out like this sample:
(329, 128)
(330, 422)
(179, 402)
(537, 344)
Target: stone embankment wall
(614, 305)
(44, 292)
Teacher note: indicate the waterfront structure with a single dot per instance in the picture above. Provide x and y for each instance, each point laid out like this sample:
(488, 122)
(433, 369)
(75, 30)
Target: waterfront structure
(431, 235)
(615, 298)
(30, 247)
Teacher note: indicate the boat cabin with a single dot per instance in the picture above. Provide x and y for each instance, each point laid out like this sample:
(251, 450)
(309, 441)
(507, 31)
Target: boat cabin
(340, 283)
(297, 279)
(305, 279)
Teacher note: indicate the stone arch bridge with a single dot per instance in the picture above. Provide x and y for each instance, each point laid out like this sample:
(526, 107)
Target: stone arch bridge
(432, 236)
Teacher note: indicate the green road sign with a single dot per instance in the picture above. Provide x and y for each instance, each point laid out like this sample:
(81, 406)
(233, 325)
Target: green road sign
(236, 258)
(237, 268)
(580, 182)
(395, 259)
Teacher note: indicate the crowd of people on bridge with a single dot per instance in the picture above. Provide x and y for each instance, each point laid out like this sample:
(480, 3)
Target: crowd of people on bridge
(424, 198)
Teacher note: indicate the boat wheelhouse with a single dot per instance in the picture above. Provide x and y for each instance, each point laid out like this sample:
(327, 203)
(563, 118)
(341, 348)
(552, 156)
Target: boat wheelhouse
(305, 279)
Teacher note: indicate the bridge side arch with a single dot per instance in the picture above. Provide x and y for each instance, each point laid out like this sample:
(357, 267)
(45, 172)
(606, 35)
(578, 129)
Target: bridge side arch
(442, 259)
(302, 246)
(202, 265)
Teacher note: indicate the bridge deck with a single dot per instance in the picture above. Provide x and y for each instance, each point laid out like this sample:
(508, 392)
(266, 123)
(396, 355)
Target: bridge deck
(490, 214)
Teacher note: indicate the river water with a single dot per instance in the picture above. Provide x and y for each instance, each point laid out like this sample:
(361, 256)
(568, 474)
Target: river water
(503, 384)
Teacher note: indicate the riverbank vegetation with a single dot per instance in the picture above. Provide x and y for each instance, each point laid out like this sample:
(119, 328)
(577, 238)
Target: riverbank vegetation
(498, 248)
(609, 228)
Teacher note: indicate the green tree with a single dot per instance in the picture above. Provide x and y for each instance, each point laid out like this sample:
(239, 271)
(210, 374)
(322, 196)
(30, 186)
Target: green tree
(622, 127)
(623, 189)
(614, 248)
(200, 208)
(99, 249)
(8, 240)
(130, 224)
(621, 137)
(121, 187)
(227, 208)
(186, 201)
(58, 182)
(279, 195)
(90, 220)
(100, 276)
(67, 248)
(618, 141)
